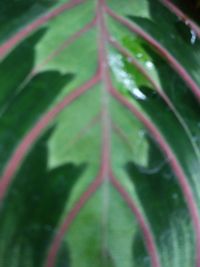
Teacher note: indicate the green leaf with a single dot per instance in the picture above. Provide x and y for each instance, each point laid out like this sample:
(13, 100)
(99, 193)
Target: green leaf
(99, 134)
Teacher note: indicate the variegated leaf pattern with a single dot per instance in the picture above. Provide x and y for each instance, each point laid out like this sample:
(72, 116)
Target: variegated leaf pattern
(99, 134)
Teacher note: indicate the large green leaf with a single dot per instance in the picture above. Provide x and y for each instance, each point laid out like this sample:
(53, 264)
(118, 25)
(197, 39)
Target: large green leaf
(99, 134)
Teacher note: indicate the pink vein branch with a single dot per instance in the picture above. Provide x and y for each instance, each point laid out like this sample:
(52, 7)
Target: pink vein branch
(148, 235)
(68, 42)
(59, 50)
(57, 241)
(122, 135)
(174, 164)
(35, 132)
(8, 45)
(179, 13)
(85, 130)
(172, 61)
(158, 89)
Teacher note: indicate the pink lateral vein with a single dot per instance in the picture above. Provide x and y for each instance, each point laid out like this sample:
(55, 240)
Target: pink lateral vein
(134, 62)
(35, 132)
(163, 52)
(57, 240)
(147, 233)
(85, 130)
(65, 44)
(122, 135)
(179, 13)
(10, 43)
(174, 164)
(158, 89)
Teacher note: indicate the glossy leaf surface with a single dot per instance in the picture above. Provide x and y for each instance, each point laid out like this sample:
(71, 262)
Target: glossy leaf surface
(99, 134)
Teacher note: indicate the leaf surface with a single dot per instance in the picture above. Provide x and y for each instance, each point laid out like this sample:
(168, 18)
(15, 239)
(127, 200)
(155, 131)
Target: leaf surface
(99, 134)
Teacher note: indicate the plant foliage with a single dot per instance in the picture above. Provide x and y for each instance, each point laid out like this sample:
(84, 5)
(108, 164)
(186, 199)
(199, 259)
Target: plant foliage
(99, 134)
